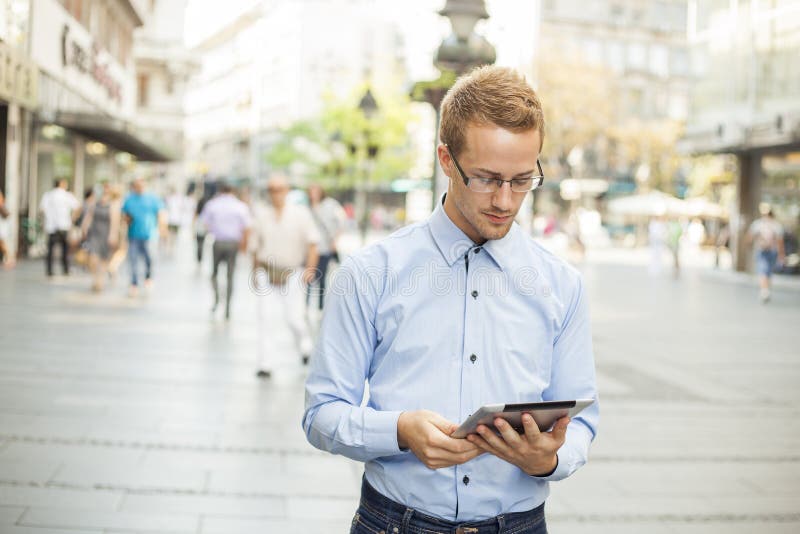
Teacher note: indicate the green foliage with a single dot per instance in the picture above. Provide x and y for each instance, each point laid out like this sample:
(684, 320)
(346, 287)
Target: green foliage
(334, 147)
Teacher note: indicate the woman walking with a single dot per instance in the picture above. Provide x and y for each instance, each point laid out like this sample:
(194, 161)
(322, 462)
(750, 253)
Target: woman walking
(102, 233)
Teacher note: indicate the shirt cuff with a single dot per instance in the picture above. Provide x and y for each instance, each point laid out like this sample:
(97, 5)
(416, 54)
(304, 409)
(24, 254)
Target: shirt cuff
(381, 437)
(560, 472)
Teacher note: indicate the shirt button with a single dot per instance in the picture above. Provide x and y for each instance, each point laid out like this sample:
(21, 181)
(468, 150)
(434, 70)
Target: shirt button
(472, 358)
(477, 250)
(474, 294)
(465, 480)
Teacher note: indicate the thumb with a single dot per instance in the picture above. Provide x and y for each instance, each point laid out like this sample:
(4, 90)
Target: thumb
(445, 426)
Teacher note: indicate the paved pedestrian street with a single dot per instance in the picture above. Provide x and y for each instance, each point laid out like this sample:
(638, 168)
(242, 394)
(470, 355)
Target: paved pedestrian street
(144, 415)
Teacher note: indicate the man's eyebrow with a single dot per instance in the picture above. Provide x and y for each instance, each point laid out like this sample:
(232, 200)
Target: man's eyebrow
(494, 174)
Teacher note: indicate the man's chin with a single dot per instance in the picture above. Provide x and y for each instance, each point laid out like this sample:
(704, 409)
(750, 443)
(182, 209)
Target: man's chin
(495, 232)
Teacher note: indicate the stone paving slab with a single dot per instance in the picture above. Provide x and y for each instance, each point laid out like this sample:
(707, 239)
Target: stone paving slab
(143, 415)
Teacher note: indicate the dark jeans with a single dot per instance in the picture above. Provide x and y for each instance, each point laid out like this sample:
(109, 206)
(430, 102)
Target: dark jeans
(377, 513)
(224, 251)
(317, 285)
(136, 248)
(201, 240)
(59, 237)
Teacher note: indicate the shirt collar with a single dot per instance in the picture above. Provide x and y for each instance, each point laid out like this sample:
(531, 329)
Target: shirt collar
(453, 243)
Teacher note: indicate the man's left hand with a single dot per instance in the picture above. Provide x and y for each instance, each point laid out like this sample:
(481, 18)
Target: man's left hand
(534, 451)
(308, 275)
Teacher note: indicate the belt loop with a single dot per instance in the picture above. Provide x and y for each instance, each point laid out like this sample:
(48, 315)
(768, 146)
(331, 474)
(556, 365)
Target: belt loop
(406, 520)
(501, 524)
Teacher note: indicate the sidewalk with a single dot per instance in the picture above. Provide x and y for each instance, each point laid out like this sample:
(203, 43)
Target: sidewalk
(144, 415)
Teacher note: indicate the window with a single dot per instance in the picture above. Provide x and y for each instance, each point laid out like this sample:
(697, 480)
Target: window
(142, 86)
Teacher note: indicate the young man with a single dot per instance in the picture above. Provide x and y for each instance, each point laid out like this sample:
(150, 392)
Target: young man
(60, 209)
(143, 212)
(448, 315)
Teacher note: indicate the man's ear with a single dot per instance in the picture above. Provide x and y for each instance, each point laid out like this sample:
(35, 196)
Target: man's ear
(445, 161)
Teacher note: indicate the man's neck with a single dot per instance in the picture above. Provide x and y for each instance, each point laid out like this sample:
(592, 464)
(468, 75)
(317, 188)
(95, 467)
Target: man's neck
(455, 216)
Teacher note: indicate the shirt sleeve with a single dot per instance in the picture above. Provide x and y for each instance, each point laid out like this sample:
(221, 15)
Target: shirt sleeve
(573, 377)
(334, 419)
(312, 232)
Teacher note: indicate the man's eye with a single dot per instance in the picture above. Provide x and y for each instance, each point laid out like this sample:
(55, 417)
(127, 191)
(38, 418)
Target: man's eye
(485, 181)
(522, 181)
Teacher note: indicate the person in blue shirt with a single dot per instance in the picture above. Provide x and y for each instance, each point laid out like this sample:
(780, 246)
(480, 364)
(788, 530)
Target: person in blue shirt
(144, 212)
(450, 314)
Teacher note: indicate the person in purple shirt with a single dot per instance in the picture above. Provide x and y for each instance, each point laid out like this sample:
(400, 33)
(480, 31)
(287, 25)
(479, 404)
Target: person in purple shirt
(227, 219)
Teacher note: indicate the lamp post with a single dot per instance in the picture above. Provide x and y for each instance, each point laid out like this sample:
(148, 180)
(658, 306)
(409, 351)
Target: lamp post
(462, 50)
(369, 107)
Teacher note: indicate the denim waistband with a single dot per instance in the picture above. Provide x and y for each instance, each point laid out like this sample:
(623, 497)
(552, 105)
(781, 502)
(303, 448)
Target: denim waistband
(389, 510)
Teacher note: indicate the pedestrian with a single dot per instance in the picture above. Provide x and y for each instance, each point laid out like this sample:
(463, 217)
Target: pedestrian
(447, 315)
(766, 234)
(5, 234)
(60, 209)
(674, 234)
(330, 218)
(102, 228)
(143, 212)
(227, 219)
(285, 257)
(206, 193)
(175, 215)
(657, 239)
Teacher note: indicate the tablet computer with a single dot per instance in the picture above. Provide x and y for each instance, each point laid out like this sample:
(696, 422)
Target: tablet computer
(545, 414)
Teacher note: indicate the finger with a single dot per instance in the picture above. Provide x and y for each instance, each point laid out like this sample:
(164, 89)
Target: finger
(497, 443)
(511, 436)
(445, 426)
(530, 426)
(560, 429)
(452, 445)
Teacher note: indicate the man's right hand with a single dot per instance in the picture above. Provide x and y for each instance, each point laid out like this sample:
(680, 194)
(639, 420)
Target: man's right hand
(427, 434)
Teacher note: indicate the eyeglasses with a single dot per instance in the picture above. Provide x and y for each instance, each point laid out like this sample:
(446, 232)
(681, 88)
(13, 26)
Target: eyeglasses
(492, 185)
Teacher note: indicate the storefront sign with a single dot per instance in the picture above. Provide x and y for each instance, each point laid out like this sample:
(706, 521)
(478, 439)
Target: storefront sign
(18, 78)
(88, 62)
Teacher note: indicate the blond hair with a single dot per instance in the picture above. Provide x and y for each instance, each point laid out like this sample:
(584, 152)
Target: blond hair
(489, 95)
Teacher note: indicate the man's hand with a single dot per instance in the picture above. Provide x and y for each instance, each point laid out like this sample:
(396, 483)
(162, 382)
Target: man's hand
(308, 275)
(534, 451)
(427, 434)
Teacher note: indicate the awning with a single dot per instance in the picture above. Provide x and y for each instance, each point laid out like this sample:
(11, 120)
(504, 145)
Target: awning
(113, 132)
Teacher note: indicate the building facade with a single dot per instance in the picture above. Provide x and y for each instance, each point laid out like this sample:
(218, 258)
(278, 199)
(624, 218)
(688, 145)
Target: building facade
(746, 102)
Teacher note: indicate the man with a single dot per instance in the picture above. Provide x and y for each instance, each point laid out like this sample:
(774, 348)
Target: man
(143, 211)
(60, 209)
(227, 219)
(448, 315)
(285, 257)
(767, 235)
(329, 218)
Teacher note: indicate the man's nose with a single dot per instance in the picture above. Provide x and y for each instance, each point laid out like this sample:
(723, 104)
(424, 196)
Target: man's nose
(502, 198)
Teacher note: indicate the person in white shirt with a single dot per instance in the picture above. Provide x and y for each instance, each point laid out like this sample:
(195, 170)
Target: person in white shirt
(284, 247)
(767, 235)
(60, 208)
(330, 219)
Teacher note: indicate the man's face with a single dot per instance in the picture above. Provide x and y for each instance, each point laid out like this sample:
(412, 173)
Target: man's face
(277, 193)
(489, 152)
(138, 186)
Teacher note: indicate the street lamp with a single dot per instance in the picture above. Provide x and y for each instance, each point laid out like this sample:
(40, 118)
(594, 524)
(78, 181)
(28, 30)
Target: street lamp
(458, 53)
(369, 107)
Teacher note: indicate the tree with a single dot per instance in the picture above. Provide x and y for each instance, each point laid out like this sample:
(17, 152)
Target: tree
(342, 148)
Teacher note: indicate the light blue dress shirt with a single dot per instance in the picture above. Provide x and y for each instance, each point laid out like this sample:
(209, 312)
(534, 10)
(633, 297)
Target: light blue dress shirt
(407, 315)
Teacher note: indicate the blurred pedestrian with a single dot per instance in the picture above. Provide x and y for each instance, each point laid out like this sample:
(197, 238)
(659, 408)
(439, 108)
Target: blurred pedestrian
(205, 193)
(227, 220)
(5, 231)
(330, 218)
(766, 234)
(657, 239)
(60, 209)
(144, 212)
(433, 355)
(284, 243)
(102, 228)
(175, 213)
(674, 234)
